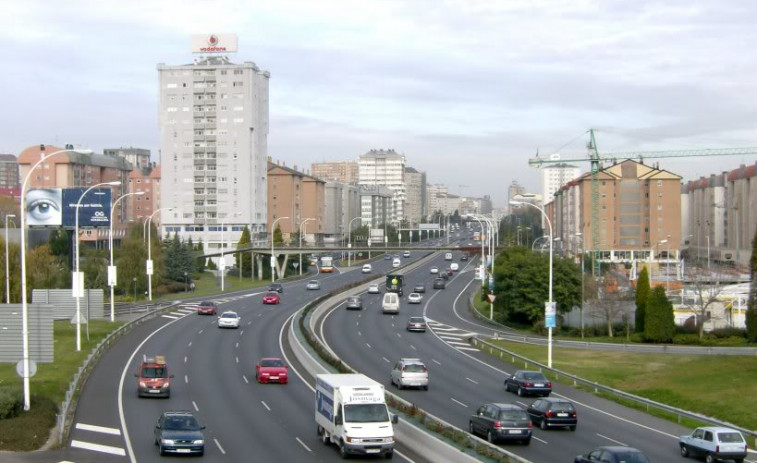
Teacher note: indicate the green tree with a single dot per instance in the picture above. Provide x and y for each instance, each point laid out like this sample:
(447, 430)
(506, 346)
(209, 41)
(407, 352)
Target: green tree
(245, 258)
(178, 259)
(659, 323)
(200, 260)
(642, 294)
(60, 243)
(94, 264)
(14, 272)
(130, 259)
(751, 313)
(278, 237)
(43, 269)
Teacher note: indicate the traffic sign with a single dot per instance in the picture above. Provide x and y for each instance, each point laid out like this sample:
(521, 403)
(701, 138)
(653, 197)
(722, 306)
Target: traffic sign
(491, 297)
(32, 368)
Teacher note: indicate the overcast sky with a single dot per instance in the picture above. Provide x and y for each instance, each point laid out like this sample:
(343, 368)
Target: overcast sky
(468, 90)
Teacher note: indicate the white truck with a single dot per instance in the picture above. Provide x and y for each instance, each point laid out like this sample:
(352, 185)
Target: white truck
(351, 412)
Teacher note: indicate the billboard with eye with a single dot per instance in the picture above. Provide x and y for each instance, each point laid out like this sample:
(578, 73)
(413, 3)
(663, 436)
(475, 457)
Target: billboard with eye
(55, 207)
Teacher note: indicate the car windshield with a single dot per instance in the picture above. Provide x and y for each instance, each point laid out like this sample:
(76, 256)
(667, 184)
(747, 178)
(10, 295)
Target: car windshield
(228, 315)
(271, 363)
(181, 423)
(730, 437)
(154, 372)
(414, 368)
(534, 377)
(511, 415)
(365, 413)
(631, 457)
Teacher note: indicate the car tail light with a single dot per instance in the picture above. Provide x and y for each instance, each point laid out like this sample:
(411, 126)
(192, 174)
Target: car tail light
(549, 413)
(549, 384)
(528, 384)
(575, 414)
(425, 370)
(497, 425)
(530, 425)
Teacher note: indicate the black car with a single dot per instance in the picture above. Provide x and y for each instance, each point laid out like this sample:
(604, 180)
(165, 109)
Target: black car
(553, 412)
(387, 257)
(444, 275)
(276, 287)
(439, 283)
(528, 383)
(464, 257)
(499, 422)
(179, 432)
(613, 454)
(421, 288)
(354, 303)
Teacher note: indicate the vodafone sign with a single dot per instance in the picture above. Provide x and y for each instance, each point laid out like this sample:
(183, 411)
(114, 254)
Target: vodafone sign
(214, 43)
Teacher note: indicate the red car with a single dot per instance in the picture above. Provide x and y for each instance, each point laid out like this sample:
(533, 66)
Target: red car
(271, 297)
(207, 308)
(271, 370)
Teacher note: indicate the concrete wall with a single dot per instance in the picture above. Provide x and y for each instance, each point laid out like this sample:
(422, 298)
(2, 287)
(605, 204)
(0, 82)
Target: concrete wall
(40, 319)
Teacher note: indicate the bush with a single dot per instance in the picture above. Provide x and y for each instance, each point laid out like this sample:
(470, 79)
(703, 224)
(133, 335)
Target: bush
(11, 402)
(729, 332)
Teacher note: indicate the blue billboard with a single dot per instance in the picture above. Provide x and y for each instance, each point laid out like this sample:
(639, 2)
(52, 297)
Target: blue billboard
(94, 209)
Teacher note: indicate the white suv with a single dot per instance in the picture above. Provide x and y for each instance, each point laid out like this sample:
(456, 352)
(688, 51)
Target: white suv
(410, 373)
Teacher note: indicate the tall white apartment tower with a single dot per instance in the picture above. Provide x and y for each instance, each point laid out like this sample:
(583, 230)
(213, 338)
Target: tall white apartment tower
(554, 177)
(213, 118)
(385, 168)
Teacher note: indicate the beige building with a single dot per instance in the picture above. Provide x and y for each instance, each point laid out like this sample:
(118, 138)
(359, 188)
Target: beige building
(9, 172)
(415, 203)
(337, 171)
(146, 180)
(298, 196)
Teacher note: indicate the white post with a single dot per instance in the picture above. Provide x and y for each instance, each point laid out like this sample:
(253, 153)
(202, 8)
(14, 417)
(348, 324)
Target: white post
(149, 269)
(7, 265)
(112, 283)
(301, 224)
(273, 258)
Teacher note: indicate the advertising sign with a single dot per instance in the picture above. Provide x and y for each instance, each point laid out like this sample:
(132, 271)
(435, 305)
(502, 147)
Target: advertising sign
(550, 314)
(428, 226)
(377, 235)
(44, 207)
(94, 209)
(213, 43)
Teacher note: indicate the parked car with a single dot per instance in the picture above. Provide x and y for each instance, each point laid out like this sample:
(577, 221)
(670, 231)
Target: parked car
(179, 432)
(419, 288)
(410, 373)
(434, 270)
(229, 319)
(276, 287)
(414, 298)
(271, 370)
(714, 443)
(552, 412)
(439, 283)
(271, 297)
(367, 268)
(613, 454)
(354, 303)
(313, 284)
(207, 308)
(406, 254)
(416, 324)
(374, 289)
(526, 382)
(501, 422)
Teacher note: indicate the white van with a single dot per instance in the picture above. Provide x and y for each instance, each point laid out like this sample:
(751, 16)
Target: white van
(448, 256)
(391, 303)
(454, 267)
(396, 263)
(367, 268)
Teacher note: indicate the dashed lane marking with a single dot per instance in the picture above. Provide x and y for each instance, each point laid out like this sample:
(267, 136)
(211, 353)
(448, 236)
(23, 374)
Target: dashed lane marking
(98, 448)
(219, 446)
(169, 316)
(100, 429)
(458, 402)
(303, 444)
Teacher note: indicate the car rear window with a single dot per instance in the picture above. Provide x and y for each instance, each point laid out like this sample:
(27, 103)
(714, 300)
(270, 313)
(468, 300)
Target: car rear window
(730, 437)
(416, 320)
(228, 315)
(512, 415)
(271, 363)
(207, 303)
(414, 368)
(561, 407)
(628, 457)
(534, 377)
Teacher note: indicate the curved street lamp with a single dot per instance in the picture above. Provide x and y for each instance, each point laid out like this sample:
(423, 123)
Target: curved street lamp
(273, 257)
(349, 239)
(148, 264)
(222, 261)
(112, 269)
(7, 265)
(301, 224)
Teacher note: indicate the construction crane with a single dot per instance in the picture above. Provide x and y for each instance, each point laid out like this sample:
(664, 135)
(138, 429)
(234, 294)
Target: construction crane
(595, 160)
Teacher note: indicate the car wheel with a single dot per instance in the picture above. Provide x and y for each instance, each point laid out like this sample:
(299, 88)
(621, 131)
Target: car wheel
(521, 392)
(343, 451)
(162, 450)
(543, 424)
(684, 451)
(425, 388)
(527, 441)
(507, 386)
(573, 427)
(709, 458)
(389, 455)
(489, 437)
(471, 428)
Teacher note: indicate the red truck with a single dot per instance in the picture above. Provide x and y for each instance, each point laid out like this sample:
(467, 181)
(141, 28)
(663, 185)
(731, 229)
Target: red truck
(153, 379)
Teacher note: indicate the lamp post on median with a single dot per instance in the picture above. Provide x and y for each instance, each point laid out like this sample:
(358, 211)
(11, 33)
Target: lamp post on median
(301, 224)
(222, 261)
(112, 269)
(273, 256)
(7, 264)
(349, 239)
(579, 235)
(551, 307)
(148, 264)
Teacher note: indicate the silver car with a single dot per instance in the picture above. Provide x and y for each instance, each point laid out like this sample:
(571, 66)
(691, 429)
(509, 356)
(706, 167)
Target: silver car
(410, 373)
(414, 298)
(313, 284)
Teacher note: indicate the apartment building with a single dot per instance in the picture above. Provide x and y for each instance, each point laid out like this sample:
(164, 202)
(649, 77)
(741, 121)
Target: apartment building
(342, 205)
(513, 190)
(385, 168)
(415, 188)
(336, 171)
(139, 158)
(9, 177)
(146, 180)
(553, 177)
(375, 205)
(296, 196)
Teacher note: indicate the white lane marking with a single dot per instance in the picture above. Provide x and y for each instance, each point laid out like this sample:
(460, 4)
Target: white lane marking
(237, 359)
(185, 311)
(98, 448)
(450, 338)
(522, 404)
(265, 405)
(386, 360)
(178, 314)
(101, 429)
(413, 347)
(458, 402)
(219, 446)
(359, 333)
(245, 379)
(186, 379)
(612, 440)
(190, 344)
(436, 361)
(540, 440)
(472, 381)
(471, 349)
(200, 332)
(457, 343)
(185, 359)
(241, 332)
(369, 346)
(168, 316)
(399, 335)
(195, 406)
(236, 346)
(303, 444)
(250, 322)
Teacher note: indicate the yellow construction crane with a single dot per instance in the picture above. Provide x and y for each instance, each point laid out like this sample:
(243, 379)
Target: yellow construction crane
(594, 158)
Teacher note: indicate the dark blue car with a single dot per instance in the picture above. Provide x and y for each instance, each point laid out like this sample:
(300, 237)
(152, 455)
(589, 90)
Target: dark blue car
(180, 433)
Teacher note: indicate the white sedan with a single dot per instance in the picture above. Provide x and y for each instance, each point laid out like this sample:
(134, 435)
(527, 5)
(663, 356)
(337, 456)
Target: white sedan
(313, 284)
(434, 270)
(229, 320)
(414, 298)
(373, 289)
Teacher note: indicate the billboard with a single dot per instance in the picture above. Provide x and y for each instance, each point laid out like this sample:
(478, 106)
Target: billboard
(428, 226)
(213, 43)
(377, 235)
(44, 207)
(55, 207)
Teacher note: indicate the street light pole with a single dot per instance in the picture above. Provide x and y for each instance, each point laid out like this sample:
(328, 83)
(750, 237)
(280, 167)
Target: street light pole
(112, 269)
(149, 251)
(580, 235)
(273, 257)
(349, 240)
(301, 224)
(222, 261)
(7, 264)
(78, 280)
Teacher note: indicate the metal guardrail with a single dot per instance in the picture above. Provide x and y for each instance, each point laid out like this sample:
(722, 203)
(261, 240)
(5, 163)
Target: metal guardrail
(608, 390)
(68, 405)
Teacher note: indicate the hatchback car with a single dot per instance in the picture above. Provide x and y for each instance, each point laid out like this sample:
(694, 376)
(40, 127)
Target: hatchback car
(416, 324)
(501, 422)
(410, 373)
(528, 382)
(374, 289)
(207, 308)
(271, 297)
(367, 268)
(613, 454)
(414, 298)
(387, 257)
(420, 288)
(551, 412)
(271, 370)
(228, 319)
(464, 257)
(406, 254)
(439, 283)
(276, 287)
(354, 303)
(313, 284)
(434, 270)
(179, 432)
(714, 443)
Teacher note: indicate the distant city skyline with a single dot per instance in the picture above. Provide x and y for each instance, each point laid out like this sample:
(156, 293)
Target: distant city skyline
(474, 88)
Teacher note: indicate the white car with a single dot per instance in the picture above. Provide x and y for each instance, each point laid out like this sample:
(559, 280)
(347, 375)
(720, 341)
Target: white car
(228, 319)
(313, 284)
(414, 298)
(454, 267)
(406, 254)
(367, 268)
(374, 289)
(434, 270)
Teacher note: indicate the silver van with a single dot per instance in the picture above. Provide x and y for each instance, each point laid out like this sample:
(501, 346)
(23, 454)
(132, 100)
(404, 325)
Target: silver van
(391, 303)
